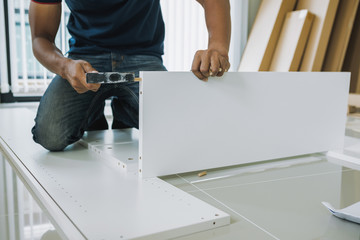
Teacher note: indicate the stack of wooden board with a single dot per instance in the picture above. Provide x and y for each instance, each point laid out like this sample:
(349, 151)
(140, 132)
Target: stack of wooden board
(325, 11)
(264, 35)
(340, 35)
(351, 63)
(292, 40)
(305, 35)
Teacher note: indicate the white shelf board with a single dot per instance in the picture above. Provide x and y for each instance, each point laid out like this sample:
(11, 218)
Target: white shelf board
(189, 125)
(117, 148)
(99, 201)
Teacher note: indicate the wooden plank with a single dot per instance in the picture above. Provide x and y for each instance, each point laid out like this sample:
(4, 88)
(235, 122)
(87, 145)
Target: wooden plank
(292, 40)
(324, 11)
(264, 34)
(354, 100)
(191, 125)
(340, 35)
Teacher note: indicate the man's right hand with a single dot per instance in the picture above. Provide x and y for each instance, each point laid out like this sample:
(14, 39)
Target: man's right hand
(75, 73)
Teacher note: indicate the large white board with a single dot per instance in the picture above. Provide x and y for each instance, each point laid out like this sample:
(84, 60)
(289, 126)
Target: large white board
(90, 199)
(187, 124)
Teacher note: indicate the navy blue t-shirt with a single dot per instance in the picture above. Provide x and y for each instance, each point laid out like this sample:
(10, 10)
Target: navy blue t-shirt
(124, 26)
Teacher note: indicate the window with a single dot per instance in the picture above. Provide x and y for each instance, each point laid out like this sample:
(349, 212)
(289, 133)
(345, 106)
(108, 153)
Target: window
(29, 77)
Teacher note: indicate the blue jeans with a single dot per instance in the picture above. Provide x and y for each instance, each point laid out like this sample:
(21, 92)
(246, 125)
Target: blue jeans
(63, 114)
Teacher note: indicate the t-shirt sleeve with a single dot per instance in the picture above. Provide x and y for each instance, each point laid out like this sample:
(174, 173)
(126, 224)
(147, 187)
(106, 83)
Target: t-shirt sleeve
(46, 1)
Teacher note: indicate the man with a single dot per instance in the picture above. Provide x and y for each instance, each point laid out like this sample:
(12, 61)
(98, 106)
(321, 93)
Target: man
(108, 36)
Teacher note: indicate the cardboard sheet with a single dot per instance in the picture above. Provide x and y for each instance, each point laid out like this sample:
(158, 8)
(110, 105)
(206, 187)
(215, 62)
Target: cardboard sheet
(292, 40)
(350, 213)
(324, 11)
(264, 35)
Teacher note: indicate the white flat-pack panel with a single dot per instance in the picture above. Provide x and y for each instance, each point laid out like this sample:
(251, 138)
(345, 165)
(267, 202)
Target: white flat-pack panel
(99, 201)
(187, 124)
(123, 156)
(105, 137)
(119, 149)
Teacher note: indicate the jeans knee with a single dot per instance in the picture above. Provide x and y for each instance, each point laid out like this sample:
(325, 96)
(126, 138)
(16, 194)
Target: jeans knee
(50, 140)
(53, 147)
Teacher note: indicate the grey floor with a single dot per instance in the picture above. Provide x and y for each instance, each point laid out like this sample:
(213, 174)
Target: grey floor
(281, 203)
(270, 200)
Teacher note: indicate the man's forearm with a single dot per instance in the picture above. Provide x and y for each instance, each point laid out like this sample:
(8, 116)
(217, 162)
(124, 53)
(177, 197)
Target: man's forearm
(44, 22)
(218, 22)
(214, 61)
(49, 55)
(71, 70)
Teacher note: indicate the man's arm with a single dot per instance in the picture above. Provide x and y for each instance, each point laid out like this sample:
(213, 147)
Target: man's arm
(44, 23)
(215, 58)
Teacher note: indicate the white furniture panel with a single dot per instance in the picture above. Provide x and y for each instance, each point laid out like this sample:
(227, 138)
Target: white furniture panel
(94, 200)
(187, 124)
(119, 149)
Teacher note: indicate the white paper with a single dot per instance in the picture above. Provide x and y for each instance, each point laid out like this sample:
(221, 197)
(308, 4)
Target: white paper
(350, 213)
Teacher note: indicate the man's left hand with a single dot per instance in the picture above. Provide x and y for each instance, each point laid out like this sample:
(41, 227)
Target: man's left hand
(210, 62)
